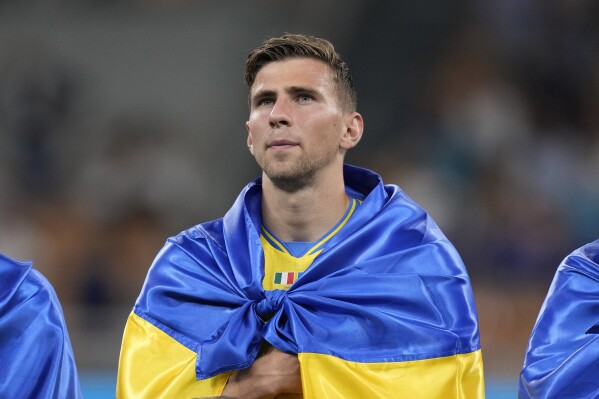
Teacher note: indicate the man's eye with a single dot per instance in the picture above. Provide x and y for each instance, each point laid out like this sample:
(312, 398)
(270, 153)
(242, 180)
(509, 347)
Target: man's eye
(305, 98)
(264, 101)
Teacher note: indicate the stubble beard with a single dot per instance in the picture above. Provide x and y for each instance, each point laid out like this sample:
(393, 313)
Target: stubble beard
(300, 175)
(291, 179)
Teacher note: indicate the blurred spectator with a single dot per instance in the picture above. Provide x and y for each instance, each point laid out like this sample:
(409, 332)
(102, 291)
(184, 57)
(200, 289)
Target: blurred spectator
(36, 93)
(143, 166)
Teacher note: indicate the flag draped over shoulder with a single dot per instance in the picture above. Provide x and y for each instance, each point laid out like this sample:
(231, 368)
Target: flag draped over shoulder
(388, 287)
(562, 359)
(36, 358)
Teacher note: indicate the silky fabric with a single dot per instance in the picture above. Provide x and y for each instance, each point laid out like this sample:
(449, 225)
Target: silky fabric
(153, 365)
(165, 368)
(388, 287)
(562, 358)
(449, 377)
(36, 358)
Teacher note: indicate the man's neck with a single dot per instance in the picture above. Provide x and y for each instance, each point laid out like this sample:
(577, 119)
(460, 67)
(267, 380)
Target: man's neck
(306, 214)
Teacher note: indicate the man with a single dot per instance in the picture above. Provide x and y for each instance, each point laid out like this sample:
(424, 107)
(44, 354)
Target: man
(320, 281)
(36, 358)
(562, 359)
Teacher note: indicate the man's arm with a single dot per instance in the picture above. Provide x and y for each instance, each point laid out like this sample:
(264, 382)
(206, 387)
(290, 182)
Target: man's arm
(272, 374)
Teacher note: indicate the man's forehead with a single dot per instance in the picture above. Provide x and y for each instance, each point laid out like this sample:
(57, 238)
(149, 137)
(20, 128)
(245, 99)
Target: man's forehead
(293, 72)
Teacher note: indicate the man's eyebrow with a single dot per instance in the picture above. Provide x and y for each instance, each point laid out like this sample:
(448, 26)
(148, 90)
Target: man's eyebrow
(263, 93)
(300, 89)
(293, 90)
(253, 98)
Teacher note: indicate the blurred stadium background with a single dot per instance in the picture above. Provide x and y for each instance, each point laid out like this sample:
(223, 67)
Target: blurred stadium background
(122, 123)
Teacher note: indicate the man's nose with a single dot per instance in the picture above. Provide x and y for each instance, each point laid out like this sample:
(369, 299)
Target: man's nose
(279, 114)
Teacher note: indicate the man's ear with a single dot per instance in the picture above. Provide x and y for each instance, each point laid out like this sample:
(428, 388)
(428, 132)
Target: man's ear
(354, 127)
(250, 142)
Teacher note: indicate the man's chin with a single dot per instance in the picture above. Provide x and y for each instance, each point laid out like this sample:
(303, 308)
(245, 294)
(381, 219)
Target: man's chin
(290, 182)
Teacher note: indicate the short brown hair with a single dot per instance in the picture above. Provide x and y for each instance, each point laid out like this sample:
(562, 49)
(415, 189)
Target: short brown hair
(294, 45)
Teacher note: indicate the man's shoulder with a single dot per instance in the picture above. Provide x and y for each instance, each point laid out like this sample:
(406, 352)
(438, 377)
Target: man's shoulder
(197, 245)
(12, 274)
(211, 230)
(19, 281)
(27, 292)
(580, 265)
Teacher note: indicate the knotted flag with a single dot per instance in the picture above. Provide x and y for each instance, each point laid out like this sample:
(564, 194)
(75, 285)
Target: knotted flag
(388, 300)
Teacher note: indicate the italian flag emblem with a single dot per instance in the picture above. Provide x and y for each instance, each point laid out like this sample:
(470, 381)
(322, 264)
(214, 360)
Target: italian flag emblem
(286, 277)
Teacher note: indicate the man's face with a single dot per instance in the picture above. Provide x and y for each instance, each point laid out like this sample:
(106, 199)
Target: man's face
(296, 123)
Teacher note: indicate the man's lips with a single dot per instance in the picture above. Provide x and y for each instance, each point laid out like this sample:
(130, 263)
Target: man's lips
(281, 144)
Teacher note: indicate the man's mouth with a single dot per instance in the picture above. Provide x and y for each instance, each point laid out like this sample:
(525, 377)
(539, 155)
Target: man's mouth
(281, 144)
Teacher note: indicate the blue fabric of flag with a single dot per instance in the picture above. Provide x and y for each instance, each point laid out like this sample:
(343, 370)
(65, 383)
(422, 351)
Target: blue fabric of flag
(388, 287)
(36, 357)
(562, 359)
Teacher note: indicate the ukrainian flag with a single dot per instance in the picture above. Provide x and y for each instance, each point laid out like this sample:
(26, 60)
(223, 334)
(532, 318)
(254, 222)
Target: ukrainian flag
(562, 358)
(385, 310)
(36, 357)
